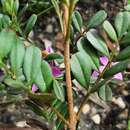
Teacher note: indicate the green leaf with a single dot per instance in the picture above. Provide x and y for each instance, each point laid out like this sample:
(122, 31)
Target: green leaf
(124, 54)
(81, 69)
(53, 56)
(16, 6)
(126, 39)
(97, 43)
(7, 40)
(58, 90)
(30, 24)
(105, 93)
(32, 63)
(77, 21)
(110, 30)
(17, 56)
(5, 21)
(8, 6)
(47, 74)
(39, 81)
(16, 84)
(119, 67)
(121, 23)
(82, 45)
(42, 99)
(97, 19)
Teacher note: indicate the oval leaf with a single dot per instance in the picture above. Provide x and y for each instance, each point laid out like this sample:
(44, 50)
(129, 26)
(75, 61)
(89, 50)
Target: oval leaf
(58, 90)
(17, 56)
(82, 45)
(81, 68)
(97, 42)
(126, 39)
(77, 21)
(110, 30)
(124, 54)
(39, 81)
(30, 24)
(32, 63)
(121, 23)
(53, 56)
(47, 74)
(7, 40)
(97, 19)
(105, 93)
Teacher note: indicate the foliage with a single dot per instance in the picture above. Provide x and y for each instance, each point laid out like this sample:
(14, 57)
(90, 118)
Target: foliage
(23, 65)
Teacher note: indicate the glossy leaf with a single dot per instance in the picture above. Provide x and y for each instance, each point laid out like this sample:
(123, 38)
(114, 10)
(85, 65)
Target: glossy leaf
(124, 54)
(81, 68)
(7, 40)
(58, 90)
(53, 56)
(97, 42)
(17, 56)
(47, 74)
(110, 30)
(77, 21)
(121, 23)
(39, 81)
(97, 19)
(32, 63)
(90, 53)
(30, 24)
(119, 67)
(105, 93)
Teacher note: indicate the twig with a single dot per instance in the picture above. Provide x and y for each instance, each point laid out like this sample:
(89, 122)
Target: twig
(60, 116)
(44, 11)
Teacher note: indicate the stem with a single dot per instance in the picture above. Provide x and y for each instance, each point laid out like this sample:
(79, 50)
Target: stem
(67, 23)
(69, 85)
(60, 116)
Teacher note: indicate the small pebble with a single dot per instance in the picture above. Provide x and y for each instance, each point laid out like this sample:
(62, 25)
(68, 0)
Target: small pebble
(96, 119)
(49, 28)
(75, 109)
(86, 109)
(21, 124)
(119, 101)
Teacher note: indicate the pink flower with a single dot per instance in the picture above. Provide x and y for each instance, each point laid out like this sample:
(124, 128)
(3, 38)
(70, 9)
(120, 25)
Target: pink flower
(34, 88)
(104, 62)
(55, 69)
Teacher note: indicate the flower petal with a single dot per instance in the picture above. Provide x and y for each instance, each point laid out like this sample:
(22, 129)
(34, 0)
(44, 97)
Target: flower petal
(34, 88)
(101, 68)
(49, 49)
(56, 71)
(104, 60)
(118, 76)
(95, 73)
